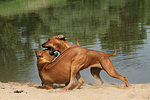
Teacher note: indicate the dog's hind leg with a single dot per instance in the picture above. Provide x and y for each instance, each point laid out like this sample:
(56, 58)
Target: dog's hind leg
(71, 83)
(77, 63)
(46, 86)
(95, 73)
(66, 83)
(108, 67)
(80, 80)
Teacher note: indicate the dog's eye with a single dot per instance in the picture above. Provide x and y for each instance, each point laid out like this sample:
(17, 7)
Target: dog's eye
(49, 39)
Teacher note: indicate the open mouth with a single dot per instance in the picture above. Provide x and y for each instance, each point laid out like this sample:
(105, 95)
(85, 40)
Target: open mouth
(51, 52)
(50, 48)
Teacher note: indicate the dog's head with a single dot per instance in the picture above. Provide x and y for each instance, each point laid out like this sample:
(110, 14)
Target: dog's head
(56, 43)
(44, 56)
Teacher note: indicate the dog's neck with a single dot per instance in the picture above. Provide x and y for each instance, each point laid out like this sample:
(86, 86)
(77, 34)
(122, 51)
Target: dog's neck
(65, 46)
(41, 62)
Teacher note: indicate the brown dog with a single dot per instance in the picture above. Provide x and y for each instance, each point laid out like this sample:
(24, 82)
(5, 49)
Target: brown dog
(43, 59)
(63, 69)
(60, 44)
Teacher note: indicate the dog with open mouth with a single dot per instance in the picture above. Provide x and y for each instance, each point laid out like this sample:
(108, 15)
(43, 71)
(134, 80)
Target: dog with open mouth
(61, 70)
(96, 60)
(48, 72)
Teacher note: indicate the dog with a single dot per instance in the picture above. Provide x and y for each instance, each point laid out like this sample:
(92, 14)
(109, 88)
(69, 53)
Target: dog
(63, 69)
(43, 58)
(58, 43)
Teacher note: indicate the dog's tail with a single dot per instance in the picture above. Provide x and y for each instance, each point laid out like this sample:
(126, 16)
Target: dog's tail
(112, 54)
(77, 42)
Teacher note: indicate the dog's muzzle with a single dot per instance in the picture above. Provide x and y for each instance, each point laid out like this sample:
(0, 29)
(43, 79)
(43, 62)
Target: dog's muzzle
(51, 52)
(50, 48)
(43, 45)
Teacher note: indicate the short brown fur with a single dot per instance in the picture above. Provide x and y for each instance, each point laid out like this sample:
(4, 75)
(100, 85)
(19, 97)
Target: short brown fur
(96, 60)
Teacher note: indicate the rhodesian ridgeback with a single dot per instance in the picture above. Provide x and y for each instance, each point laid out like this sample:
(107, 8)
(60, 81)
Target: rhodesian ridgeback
(43, 59)
(63, 69)
(58, 43)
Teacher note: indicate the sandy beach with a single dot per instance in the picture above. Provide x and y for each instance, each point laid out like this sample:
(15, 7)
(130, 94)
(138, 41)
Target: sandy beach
(29, 91)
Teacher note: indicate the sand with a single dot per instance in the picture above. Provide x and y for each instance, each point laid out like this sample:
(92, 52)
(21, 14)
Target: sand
(29, 91)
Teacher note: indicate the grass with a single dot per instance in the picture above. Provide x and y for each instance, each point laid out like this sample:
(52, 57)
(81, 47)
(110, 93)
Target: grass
(22, 6)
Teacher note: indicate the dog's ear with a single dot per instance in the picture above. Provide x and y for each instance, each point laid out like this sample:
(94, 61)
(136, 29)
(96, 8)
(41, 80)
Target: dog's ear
(60, 37)
(37, 53)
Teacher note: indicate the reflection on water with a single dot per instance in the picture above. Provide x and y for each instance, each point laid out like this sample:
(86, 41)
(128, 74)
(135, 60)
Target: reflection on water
(98, 25)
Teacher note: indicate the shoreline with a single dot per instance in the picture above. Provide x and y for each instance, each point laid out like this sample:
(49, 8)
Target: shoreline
(29, 91)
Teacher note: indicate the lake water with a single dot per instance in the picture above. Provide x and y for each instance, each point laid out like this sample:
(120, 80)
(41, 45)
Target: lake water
(97, 25)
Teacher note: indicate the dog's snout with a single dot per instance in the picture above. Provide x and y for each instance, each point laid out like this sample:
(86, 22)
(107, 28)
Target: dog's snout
(43, 45)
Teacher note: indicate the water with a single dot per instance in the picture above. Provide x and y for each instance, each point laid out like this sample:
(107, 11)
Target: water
(98, 26)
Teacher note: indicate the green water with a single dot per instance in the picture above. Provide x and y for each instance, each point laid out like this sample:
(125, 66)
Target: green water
(97, 24)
